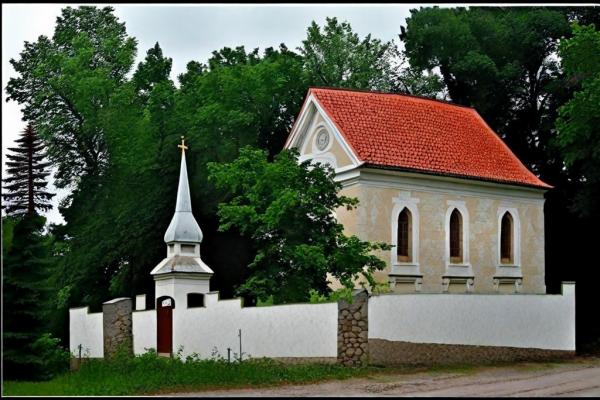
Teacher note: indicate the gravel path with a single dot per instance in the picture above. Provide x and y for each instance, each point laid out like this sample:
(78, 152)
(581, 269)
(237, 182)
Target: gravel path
(580, 378)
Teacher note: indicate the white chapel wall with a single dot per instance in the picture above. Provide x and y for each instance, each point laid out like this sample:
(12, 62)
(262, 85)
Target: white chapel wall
(515, 320)
(295, 330)
(144, 331)
(86, 329)
(373, 220)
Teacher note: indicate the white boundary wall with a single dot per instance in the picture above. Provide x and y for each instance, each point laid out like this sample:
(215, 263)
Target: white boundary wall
(295, 330)
(144, 330)
(513, 320)
(88, 330)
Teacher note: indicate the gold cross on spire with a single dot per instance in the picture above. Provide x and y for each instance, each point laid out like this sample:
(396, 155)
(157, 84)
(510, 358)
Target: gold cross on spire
(182, 146)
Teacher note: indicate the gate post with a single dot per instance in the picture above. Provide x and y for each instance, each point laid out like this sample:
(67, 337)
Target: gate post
(353, 330)
(117, 324)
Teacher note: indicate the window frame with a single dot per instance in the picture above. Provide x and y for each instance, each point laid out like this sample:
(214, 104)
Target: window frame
(404, 257)
(515, 239)
(462, 209)
(456, 258)
(398, 266)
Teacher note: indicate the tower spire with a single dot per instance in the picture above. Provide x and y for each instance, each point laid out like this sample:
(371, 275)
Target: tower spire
(183, 226)
(182, 272)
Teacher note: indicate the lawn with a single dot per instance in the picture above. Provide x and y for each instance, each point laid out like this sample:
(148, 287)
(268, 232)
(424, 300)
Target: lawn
(150, 374)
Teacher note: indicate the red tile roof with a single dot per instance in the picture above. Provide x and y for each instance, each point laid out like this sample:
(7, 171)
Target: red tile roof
(422, 135)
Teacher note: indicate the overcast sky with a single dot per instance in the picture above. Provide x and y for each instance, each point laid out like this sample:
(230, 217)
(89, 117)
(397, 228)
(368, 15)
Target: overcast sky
(188, 32)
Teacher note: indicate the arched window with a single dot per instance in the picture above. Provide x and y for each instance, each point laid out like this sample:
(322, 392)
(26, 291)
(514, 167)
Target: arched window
(404, 245)
(506, 239)
(456, 245)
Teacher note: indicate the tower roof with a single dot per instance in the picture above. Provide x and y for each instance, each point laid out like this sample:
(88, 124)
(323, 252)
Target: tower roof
(183, 226)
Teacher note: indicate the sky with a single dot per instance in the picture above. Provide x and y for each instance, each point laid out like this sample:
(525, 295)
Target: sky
(187, 32)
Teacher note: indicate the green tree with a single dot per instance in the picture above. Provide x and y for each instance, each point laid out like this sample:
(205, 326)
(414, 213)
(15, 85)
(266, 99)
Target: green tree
(336, 56)
(152, 71)
(65, 82)
(500, 61)
(579, 119)
(26, 266)
(239, 98)
(26, 182)
(287, 209)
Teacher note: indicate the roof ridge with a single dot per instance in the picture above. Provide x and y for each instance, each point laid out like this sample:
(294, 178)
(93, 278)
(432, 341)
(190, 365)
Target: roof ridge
(414, 96)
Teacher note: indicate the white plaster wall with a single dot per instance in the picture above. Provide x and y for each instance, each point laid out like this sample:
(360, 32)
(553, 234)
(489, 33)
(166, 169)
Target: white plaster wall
(144, 331)
(298, 330)
(514, 320)
(86, 329)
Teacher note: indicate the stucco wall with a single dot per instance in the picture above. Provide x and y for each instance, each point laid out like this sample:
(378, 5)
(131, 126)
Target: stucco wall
(144, 331)
(518, 320)
(86, 329)
(298, 330)
(373, 218)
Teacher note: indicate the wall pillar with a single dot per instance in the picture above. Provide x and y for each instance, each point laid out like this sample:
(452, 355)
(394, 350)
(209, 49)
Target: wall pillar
(117, 324)
(353, 330)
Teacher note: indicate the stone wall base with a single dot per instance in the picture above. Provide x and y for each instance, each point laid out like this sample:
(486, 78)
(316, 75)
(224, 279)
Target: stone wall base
(388, 353)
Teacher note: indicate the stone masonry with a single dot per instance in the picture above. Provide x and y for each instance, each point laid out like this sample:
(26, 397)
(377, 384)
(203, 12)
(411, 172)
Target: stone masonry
(117, 323)
(353, 330)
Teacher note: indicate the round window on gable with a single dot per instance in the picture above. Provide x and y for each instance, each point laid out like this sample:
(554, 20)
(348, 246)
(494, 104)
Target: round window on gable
(322, 139)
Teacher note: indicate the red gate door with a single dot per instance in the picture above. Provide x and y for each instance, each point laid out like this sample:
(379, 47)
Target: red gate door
(164, 329)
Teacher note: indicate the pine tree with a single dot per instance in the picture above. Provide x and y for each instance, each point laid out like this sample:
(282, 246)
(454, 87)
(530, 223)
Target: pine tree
(26, 263)
(27, 259)
(26, 182)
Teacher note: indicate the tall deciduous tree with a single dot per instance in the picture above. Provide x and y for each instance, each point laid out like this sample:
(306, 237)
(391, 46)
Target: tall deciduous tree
(579, 119)
(25, 186)
(153, 70)
(500, 61)
(65, 82)
(287, 209)
(336, 56)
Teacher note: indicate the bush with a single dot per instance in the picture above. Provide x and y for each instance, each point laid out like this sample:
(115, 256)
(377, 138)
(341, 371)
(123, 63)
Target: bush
(343, 293)
(52, 359)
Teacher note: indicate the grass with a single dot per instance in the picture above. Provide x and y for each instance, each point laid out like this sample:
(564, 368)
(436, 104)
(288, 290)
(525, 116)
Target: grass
(150, 374)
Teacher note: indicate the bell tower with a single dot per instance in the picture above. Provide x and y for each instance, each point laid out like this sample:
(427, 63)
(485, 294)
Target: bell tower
(182, 271)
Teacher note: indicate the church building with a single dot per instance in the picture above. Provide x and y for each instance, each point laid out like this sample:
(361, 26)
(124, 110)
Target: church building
(436, 182)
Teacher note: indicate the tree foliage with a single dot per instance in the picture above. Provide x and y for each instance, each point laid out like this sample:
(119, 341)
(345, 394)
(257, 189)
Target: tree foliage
(65, 82)
(499, 61)
(579, 119)
(26, 182)
(336, 56)
(288, 210)
(27, 264)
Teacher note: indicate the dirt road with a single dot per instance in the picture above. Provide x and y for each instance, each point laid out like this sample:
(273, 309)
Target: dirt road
(578, 378)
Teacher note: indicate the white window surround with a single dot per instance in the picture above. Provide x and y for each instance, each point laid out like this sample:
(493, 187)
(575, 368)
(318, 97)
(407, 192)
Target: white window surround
(512, 270)
(412, 267)
(463, 269)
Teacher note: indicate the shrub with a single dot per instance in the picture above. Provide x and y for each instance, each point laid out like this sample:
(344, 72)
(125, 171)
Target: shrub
(52, 359)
